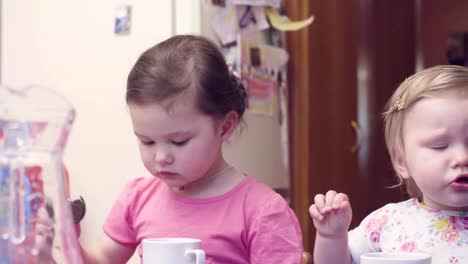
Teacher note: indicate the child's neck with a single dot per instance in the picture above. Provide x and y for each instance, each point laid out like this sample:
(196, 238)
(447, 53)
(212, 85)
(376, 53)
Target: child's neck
(213, 185)
(206, 179)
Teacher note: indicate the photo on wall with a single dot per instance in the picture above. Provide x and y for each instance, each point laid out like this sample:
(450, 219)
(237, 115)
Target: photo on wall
(123, 15)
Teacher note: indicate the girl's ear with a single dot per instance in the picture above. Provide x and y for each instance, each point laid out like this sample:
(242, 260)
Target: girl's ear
(229, 124)
(399, 163)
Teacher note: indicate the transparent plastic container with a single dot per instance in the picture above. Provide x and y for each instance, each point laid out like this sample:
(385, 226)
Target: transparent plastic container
(36, 222)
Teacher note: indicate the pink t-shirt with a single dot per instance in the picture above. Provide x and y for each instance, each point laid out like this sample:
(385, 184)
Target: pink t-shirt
(249, 224)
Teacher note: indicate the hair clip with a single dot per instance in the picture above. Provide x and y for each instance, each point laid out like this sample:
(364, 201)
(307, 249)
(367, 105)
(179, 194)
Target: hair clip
(397, 105)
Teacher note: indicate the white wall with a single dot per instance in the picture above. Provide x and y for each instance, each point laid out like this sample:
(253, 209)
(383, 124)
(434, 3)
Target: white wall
(70, 46)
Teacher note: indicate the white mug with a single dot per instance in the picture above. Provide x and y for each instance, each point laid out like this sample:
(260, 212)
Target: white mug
(172, 250)
(395, 257)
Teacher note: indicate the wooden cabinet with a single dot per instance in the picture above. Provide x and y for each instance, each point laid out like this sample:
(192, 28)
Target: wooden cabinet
(437, 21)
(342, 70)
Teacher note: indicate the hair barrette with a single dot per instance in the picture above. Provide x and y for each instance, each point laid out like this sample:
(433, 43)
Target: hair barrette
(397, 105)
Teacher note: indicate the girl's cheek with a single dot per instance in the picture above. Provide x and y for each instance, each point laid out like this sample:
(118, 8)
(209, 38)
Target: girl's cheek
(146, 157)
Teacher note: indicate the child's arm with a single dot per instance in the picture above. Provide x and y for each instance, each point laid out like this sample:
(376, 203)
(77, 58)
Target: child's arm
(106, 251)
(331, 214)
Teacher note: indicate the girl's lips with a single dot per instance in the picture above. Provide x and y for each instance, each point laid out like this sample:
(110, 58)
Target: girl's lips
(460, 182)
(459, 186)
(167, 174)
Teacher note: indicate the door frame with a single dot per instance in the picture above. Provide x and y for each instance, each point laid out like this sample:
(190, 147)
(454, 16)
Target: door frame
(297, 45)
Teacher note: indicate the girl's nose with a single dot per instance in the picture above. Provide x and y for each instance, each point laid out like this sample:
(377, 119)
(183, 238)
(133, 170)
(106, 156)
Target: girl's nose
(461, 157)
(163, 156)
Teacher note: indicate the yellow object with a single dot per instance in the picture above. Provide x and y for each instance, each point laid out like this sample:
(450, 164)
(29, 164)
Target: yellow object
(441, 224)
(284, 24)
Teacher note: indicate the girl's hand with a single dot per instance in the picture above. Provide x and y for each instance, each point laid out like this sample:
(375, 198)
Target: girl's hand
(331, 214)
(45, 234)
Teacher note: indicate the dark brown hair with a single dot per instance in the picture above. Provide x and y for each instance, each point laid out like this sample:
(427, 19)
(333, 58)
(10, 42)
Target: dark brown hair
(186, 62)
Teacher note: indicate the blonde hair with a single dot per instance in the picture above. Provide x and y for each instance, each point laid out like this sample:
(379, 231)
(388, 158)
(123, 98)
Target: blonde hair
(429, 83)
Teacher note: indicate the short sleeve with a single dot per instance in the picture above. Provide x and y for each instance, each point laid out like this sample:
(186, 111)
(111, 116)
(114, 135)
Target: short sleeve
(118, 224)
(275, 235)
(366, 237)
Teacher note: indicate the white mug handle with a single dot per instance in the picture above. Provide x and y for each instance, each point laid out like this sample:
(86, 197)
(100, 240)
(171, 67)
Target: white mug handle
(199, 254)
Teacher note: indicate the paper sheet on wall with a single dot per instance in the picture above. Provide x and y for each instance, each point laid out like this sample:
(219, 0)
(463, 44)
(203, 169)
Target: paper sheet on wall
(283, 23)
(259, 67)
(122, 20)
(272, 3)
(230, 20)
(224, 22)
(251, 19)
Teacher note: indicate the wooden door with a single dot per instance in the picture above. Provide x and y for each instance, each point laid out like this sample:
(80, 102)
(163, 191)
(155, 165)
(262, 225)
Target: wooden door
(437, 21)
(342, 69)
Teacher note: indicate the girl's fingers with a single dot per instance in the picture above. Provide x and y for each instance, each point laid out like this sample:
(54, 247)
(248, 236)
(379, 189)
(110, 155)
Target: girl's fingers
(329, 198)
(315, 213)
(319, 201)
(45, 232)
(339, 199)
(42, 213)
(328, 202)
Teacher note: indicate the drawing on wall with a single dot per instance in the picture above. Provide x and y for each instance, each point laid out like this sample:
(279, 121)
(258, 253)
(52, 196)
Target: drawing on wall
(272, 3)
(123, 15)
(260, 65)
(250, 34)
(231, 20)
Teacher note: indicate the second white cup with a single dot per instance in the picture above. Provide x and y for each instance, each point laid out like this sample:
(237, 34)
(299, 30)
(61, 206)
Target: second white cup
(394, 258)
(172, 250)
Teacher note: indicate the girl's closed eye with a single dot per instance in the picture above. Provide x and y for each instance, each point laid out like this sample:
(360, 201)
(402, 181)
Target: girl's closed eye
(438, 145)
(147, 142)
(180, 143)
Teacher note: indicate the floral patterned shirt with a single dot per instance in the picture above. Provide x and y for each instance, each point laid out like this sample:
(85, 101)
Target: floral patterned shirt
(410, 226)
